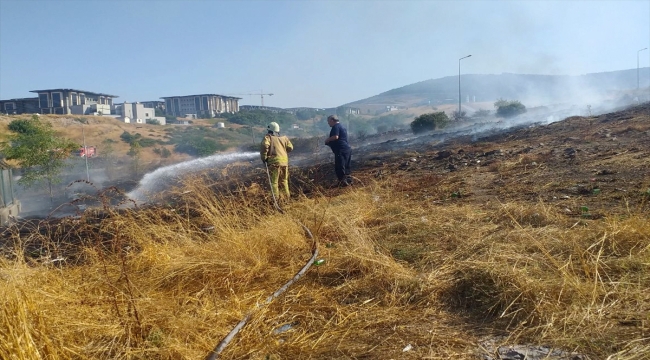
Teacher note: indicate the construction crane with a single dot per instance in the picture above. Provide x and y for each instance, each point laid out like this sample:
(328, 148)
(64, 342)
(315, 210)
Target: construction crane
(261, 94)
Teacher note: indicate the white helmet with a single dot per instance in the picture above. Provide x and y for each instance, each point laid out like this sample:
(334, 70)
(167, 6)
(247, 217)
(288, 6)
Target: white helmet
(274, 127)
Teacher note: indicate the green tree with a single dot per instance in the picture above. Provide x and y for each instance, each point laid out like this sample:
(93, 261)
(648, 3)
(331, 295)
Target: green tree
(305, 114)
(106, 152)
(134, 153)
(38, 150)
(428, 122)
(509, 108)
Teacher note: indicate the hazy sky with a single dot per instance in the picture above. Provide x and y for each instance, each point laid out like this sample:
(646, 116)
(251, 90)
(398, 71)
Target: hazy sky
(308, 53)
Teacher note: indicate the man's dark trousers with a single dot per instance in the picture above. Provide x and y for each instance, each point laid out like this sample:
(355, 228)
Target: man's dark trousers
(342, 159)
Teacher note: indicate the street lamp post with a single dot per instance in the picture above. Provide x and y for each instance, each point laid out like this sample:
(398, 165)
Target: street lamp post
(83, 134)
(637, 67)
(459, 83)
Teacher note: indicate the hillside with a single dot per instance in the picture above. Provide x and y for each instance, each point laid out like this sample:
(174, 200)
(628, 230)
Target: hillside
(532, 240)
(96, 130)
(533, 90)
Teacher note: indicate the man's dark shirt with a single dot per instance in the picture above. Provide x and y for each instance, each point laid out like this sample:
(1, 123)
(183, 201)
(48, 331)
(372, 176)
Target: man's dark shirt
(342, 142)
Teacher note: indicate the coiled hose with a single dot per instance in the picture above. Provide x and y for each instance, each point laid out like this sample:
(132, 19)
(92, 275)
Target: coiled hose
(214, 354)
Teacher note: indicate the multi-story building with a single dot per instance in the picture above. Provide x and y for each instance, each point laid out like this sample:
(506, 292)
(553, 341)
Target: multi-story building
(19, 106)
(200, 105)
(351, 110)
(73, 101)
(137, 113)
(157, 105)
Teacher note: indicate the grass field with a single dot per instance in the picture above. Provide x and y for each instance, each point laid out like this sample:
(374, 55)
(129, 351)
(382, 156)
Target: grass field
(420, 262)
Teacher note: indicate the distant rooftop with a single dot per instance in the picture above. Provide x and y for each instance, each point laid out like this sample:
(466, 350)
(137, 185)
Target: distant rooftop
(21, 99)
(75, 90)
(223, 96)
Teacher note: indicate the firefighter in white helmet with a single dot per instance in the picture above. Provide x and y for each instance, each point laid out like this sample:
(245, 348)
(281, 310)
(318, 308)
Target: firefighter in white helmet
(274, 149)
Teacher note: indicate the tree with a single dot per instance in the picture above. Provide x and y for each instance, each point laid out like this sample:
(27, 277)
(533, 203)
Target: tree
(510, 108)
(38, 150)
(428, 122)
(107, 151)
(134, 152)
(305, 114)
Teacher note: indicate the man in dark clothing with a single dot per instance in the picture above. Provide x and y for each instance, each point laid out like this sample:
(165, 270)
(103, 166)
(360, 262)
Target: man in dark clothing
(338, 142)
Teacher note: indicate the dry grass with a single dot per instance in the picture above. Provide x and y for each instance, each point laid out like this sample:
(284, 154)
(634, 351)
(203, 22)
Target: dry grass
(97, 129)
(437, 273)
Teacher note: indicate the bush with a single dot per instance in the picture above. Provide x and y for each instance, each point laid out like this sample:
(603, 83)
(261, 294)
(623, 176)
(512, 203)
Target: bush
(153, 121)
(510, 108)
(127, 137)
(163, 152)
(22, 126)
(197, 146)
(131, 139)
(428, 122)
(481, 113)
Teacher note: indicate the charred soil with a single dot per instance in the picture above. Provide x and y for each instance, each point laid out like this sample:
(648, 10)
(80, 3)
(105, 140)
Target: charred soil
(535, 239)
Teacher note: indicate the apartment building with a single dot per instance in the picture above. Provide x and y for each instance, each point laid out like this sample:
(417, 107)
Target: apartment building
(19, 106)
(155, 104)
(137, 113)
(74, 101)
(200, 105)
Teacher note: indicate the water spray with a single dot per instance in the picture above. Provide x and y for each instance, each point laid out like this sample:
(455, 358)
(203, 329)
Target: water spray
(151, 182)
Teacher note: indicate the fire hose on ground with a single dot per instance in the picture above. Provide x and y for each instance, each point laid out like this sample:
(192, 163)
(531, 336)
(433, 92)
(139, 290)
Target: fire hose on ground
(214, 354)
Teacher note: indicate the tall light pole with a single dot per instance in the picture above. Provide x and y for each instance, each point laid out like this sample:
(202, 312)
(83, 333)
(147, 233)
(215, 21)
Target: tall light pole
(637, 67)
(459, 83)
(83, 134)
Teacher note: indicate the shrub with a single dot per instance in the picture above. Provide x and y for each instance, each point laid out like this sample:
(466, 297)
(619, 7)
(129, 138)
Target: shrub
(197, 146)
(428, 122)
(130, 139)
(510, 108)
(163, 152)
(481, 113)
(22, 126)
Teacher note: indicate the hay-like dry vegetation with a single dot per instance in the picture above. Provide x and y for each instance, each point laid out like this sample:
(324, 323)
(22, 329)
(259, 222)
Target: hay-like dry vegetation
(170, 282)
(419, 264)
